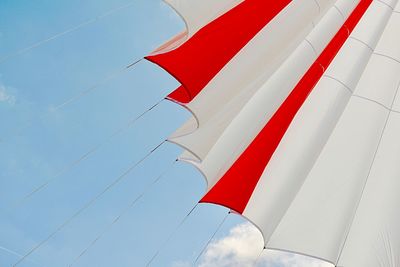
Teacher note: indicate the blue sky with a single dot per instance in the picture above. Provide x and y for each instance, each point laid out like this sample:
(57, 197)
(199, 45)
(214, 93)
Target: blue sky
(41, 142)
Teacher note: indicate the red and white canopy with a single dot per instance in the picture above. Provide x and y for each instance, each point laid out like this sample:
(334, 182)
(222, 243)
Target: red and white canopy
(296, 119)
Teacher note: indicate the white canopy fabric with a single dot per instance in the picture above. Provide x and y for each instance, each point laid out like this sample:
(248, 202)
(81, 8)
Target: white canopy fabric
(299, 132)
(195, 14)
(224, 97)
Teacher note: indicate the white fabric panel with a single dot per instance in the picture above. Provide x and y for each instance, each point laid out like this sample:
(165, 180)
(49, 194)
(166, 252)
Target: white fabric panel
(374, 240)
(310, 191)
(259, 108)
(380, 80)
(390, 47)
(333, 20)
(324, 5)
(318, 219)
(391, 3)
(375, 17)
(374, 236)
(309, 131)
(234, 140)
(197, 13)
(188, 127)
(210, 130)
(330, 24)
(295, 155)
(350, 63)
(346, 6)
(187, 157)
(320, 216)
(225, 95)
(396, 104)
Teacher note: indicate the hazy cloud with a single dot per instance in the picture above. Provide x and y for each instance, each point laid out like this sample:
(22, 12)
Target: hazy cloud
(5, 95)
(242, 247)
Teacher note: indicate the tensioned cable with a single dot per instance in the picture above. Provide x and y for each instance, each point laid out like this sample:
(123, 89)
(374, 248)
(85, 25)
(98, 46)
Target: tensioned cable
(171, 236)
(84, 156)
(70, 30)
(88, 204)
(124, 211)
(257, 260)
(97, 85)
(14, 253)
(78, 96)
(211, 239)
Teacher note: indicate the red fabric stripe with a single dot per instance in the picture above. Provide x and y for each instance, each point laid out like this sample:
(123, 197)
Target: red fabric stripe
(235, 188)
(199, 59)
(180, 95)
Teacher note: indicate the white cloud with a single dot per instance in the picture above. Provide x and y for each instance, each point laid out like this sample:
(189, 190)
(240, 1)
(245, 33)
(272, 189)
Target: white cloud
(242, 247)
(6, 96)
